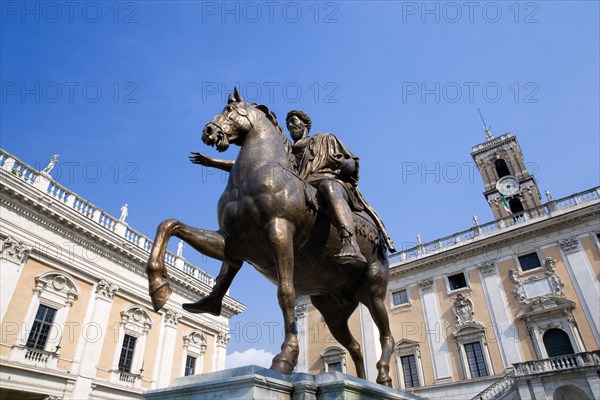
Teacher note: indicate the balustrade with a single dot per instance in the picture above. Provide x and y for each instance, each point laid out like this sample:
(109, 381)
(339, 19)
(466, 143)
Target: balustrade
(524, 369)
(480, 231)
(62, 195)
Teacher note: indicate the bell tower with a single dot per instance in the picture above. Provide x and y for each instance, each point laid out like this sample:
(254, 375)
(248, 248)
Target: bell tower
(508, 187)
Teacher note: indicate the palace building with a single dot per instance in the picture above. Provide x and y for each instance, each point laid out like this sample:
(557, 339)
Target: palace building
(508, 309)
(76, 317)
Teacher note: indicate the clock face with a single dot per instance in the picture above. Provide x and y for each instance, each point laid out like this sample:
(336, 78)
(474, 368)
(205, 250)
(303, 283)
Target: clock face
(508, 185)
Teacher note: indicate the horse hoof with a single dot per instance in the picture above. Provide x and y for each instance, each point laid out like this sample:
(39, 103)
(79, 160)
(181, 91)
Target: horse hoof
(160, 296)
(384, 380)
(205, 305)
(283, 366)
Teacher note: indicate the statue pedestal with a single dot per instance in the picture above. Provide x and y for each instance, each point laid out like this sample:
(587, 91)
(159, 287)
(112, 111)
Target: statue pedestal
(253, 382)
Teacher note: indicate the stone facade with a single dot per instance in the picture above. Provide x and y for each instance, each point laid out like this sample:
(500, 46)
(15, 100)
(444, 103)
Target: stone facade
(76, 316)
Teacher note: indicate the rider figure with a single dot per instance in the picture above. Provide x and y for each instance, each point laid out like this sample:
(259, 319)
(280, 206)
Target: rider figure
(323, 161)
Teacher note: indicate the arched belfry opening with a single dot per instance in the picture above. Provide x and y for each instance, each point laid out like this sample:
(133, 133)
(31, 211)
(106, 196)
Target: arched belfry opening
(501, 168)
(516, 207)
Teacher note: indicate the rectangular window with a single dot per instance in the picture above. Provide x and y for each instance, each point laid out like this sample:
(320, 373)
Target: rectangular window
(41, 327)
(400, 297)
(127, 350)
(529, 261)
(476, 360)
(409, 369)
(457, 281)
(335, 366)
(190, 365)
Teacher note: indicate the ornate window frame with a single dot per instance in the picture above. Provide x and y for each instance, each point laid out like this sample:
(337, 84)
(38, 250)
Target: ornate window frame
(334, 354)
(550, 313)
(57, 290)
(466, 331)
(194, 344)
(136, 322)
(470, 332)
(407, 347)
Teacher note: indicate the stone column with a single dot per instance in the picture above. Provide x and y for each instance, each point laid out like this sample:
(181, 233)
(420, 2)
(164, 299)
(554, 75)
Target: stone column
(13, 256)
(166, 352)
(94, 329)
(220, 350)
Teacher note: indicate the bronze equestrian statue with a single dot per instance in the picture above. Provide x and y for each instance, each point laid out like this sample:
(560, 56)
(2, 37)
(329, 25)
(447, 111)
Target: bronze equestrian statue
(271, 218)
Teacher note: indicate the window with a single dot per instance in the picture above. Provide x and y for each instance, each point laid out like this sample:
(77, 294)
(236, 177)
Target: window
(408, 364)
(53, 295)
(190, 365)
(41, 327)
(557, 343)
(334, 366)
(128, 359)
(516, 207)
(529, 261)
(334, 359)
(476, 360)
(501, 168)
(400, 297)
(457, 281)
(409, 369)
(194, 347)
(127, 351)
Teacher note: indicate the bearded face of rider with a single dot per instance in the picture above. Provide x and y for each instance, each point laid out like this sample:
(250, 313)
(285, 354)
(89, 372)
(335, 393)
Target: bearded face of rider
(297, 128)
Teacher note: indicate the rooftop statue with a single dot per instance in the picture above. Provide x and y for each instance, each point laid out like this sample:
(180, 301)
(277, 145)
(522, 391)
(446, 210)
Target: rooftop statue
(293, 212)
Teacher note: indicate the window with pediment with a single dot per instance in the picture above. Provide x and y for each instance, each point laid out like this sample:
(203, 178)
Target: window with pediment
(53, 295)
(128, 361)
(408, 364)
(334, 359)
(194, 347)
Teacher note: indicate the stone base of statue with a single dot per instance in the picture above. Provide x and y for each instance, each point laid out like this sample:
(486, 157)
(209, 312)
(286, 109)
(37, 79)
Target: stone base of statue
(253, 382)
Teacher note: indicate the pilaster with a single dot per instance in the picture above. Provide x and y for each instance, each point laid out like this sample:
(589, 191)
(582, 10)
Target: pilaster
(13, 256)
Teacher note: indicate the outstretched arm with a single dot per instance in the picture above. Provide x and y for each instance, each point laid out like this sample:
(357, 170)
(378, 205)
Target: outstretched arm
(199, 158)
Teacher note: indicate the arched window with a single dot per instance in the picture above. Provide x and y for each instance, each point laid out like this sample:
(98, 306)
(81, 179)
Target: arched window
(501, 168)
(515, 206)
(557, 343)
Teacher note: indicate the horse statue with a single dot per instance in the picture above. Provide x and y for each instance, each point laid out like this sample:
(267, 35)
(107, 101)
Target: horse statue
(265, 219)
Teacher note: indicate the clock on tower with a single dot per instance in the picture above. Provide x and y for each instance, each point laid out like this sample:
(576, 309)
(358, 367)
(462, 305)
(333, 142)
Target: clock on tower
(500, 162)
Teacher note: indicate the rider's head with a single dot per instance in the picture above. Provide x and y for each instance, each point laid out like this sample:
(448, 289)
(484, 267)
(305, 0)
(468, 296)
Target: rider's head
(298, 123)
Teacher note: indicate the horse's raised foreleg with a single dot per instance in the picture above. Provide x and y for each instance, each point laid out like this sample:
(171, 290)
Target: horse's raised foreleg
(372, 295)
(281, 234)
(209, 243)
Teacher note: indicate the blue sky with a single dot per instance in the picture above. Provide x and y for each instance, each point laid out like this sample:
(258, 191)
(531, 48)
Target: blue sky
(122, 90)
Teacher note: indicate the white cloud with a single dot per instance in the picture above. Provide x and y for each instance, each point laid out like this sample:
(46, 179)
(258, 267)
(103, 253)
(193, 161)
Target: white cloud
(251, 356)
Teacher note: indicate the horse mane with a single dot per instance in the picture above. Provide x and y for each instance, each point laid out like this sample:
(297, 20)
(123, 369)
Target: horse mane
(286, 142)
